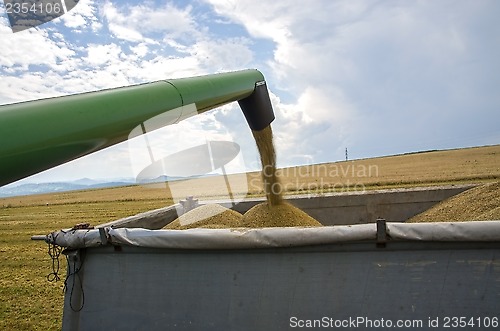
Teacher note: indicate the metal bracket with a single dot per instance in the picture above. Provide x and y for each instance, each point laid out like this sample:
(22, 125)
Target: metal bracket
(381, 233)
(104, 237)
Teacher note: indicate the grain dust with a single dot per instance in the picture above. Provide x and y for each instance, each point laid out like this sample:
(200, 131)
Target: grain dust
(272, 185)
(275, 212)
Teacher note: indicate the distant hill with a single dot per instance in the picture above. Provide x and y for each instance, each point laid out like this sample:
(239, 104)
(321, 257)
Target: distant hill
(80, 184)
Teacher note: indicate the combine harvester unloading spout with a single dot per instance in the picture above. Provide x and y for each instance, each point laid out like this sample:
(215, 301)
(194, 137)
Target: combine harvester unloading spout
(41, 134)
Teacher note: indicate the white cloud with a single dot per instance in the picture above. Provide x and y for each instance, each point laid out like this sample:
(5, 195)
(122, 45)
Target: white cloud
(32, 47)
(116, 24)
(226, 54)
(271, 19)
(133, 23)
(318, 122)
(162, 67)
(28, 86)
(84, 15)
(100, 54)
(140, 50)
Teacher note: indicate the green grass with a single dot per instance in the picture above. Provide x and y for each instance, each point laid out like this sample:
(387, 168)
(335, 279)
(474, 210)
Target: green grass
(30, 302)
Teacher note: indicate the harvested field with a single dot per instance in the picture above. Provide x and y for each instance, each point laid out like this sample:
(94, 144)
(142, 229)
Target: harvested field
(458, 166)
(480, 203)
(209, 216)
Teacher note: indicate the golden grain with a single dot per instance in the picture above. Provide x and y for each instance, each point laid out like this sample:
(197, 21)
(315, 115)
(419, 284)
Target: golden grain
(212, 216)
(283, 215)
(480, 203)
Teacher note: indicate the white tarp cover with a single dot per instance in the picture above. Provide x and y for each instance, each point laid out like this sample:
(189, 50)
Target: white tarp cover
(276, 237)
(446, 231)
(242, 238)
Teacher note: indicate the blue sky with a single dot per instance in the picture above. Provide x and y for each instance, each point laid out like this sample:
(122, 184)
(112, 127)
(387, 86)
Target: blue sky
(376, 77)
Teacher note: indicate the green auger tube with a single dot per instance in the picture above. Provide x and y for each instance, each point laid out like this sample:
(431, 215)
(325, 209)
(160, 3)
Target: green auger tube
(41, 134)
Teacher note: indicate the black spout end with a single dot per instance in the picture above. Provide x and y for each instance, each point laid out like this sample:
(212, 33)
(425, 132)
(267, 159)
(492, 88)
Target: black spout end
(257, 108)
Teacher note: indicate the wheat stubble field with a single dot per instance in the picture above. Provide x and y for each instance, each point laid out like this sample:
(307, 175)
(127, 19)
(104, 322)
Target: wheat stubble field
(30, 302)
